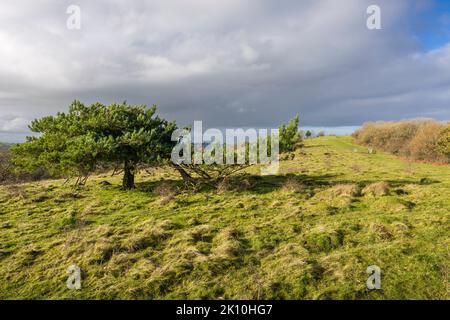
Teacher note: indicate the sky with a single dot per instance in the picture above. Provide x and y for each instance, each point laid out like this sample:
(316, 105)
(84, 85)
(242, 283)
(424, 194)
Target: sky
(228, 63)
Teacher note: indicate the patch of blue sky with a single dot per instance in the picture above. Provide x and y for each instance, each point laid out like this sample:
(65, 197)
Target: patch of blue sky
(432, 25)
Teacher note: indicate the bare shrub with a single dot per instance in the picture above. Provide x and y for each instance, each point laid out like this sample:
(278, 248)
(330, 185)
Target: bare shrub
(424, 144)
(416, 139)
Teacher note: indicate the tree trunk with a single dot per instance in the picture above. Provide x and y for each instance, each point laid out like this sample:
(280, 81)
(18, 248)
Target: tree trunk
(186, 177)
(128, 175)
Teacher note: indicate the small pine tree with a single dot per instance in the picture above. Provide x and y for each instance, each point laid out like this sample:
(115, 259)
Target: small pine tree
(289, 135)
(308, 134)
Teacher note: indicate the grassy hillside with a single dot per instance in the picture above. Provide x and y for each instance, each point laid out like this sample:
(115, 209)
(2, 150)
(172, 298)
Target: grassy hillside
(309, 233)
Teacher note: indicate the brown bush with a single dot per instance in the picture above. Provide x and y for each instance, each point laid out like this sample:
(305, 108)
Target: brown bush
(424, 146)
(416, 139)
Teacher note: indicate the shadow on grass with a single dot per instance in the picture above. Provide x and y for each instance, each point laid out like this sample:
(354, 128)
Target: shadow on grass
(256, 184)
(239, 183)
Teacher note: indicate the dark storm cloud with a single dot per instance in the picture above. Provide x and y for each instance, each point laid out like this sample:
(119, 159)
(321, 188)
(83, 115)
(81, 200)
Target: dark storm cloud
(228, 63)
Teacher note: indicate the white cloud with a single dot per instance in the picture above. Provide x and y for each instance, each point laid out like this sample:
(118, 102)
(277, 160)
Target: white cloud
(13, 124)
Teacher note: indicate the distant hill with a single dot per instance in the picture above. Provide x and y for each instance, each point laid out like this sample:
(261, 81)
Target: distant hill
(4, 146)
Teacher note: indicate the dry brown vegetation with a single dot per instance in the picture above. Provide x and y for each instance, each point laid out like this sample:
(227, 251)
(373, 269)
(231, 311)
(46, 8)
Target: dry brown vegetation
(166, 191)
(418, 139)
(293, 185)
(376, 189)
(350, 190)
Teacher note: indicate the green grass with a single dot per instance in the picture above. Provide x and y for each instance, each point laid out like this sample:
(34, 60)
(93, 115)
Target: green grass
(308, 233)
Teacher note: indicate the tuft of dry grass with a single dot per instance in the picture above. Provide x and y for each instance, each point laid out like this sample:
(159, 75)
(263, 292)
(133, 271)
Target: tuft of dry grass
(200, 233)
(26, 257)
(166, 191)
(147, 235)
(292, 185)
(381, 231)
(17, 191)
(348, 190)
(356, 168)
(227, 245)
(236, 185)
(119, 263)
(101, 251)
(67, 196)
(376, 189)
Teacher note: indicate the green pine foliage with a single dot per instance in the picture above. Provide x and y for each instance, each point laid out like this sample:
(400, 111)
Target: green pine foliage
(78, 142)
(289, 135)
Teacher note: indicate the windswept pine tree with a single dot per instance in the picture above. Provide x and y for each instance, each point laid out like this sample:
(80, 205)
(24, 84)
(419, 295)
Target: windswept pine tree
(76, 143)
